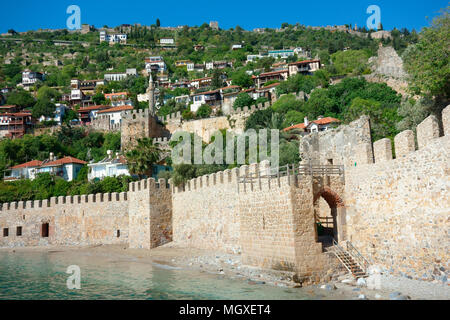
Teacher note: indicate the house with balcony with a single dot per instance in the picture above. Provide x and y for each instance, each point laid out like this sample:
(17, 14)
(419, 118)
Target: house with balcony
(200, 82)
(218, 65)
(87, 114)
(30, 78)
(108, 167)
(19, 124)
(155, 64)
(304, 67)
(262, 78)
(119, 76)
(118, 99)
(212, 98)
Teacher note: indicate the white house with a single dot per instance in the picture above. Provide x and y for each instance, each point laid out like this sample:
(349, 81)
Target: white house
(119, 76)
(25, 170)
(30, 78)
(66, 168)
(108, 167)
(113, 38)
(321, 124)
(155, 63)
(283, 54)
(114, 113)
(166, 41)
(58, 115)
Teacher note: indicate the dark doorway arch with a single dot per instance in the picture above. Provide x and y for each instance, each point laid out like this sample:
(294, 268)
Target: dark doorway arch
(327, 215)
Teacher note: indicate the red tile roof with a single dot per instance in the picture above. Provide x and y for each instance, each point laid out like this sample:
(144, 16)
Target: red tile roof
(322, 121)
(276, 84)
(29, 164)
(99, 107)
(65, 160)
(116, 94)
(116, 109)
(303, 62)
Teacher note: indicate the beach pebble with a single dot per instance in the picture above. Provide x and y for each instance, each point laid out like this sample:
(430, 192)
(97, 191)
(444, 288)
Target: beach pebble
(394, 294)
(400, 297)
(361, 282)
(347, 281)
(328, 287)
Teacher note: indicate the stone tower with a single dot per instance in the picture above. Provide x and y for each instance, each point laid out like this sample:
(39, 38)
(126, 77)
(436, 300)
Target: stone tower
(151, 95)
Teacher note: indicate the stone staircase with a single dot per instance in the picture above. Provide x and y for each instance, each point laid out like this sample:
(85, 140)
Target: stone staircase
(352, 260)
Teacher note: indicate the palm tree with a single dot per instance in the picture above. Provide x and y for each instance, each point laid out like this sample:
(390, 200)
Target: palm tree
(143, 157)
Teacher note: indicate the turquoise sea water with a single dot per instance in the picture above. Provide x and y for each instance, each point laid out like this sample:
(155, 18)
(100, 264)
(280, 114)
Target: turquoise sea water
(42, 275)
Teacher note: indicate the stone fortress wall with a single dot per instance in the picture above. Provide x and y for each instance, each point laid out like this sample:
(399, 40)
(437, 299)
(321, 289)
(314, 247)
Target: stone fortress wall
(398, 210)
(139, 123)
(72, 220)
(395, 211)
(110, 218)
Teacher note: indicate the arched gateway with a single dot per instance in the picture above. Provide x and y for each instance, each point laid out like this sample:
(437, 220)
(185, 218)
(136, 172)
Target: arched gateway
(329, 210)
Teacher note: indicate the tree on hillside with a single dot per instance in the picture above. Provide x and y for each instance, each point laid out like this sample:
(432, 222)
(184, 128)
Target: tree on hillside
(242, 79)
(243, 100)
(216, 81)
(143, 157)
(21, 98)
(158, 23)
(48, 93)
(43, 107)
(427, 62)
(204, 111)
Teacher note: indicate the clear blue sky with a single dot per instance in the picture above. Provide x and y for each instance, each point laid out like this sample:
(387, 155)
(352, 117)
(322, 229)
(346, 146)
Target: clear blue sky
(33, 14)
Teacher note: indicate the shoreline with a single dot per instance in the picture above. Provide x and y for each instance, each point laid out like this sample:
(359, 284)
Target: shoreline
(342, 286)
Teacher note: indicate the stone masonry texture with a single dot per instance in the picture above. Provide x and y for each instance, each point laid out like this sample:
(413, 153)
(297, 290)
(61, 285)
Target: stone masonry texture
(394, 210)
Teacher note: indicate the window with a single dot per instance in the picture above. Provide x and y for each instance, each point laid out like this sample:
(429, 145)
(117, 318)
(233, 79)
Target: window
(19, 231)
(118, 233)
(5, 232)
(44, 230)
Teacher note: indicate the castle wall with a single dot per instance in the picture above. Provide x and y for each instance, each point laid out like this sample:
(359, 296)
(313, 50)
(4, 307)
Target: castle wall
(398, 210)
(73, 220)
(137, 124)
(150, 213)
(205, 128)
(347, 145)
(206, 213)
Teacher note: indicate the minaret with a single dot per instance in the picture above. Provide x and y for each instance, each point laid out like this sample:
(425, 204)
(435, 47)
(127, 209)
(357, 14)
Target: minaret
(151, 95)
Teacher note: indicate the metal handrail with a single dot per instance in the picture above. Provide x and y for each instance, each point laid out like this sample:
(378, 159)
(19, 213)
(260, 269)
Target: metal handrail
(341, 250)
(293, 170)
(364, 264)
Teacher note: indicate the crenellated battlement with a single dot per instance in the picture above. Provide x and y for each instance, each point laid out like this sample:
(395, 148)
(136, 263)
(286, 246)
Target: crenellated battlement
(171, 117)
(251, 109)
(139, 114)
(64, 200)
(103, 123)
(161, 140)
(148, 184)
(405, 142)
